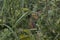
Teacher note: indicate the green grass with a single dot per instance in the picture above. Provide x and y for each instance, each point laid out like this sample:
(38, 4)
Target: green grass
(13, 17)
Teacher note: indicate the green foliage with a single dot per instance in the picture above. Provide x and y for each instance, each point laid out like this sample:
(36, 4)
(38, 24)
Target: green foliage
(13, 17)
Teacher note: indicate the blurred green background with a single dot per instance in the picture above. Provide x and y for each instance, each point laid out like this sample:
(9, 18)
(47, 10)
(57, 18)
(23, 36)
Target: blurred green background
(14, 20)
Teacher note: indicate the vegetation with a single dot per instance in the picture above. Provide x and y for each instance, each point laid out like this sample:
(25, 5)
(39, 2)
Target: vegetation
(42, 15)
